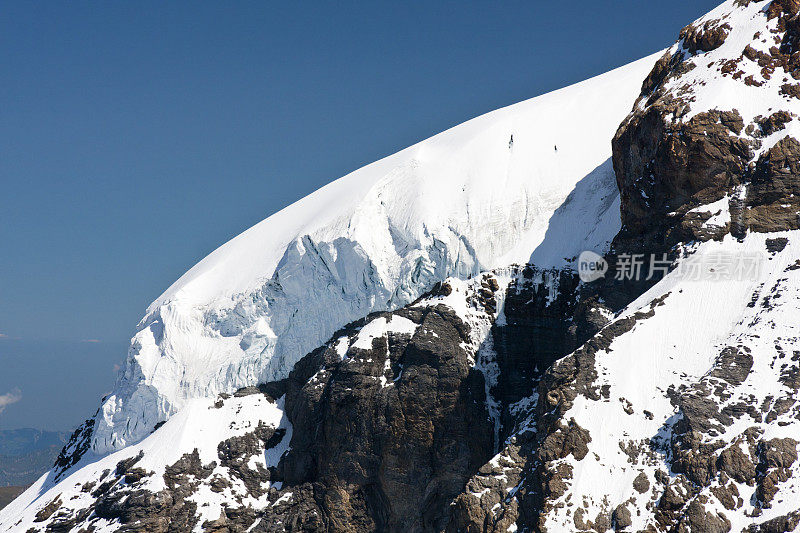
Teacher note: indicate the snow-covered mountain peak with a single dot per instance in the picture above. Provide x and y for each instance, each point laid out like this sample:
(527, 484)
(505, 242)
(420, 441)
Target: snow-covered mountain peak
(478, 196)
(506, 397)
(452, 178)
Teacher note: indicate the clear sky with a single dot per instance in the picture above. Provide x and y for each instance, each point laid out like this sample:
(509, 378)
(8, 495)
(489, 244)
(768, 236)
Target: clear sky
(137, 137)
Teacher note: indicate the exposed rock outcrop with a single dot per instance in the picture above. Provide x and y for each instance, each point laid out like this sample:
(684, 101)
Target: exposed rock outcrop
(676, 152)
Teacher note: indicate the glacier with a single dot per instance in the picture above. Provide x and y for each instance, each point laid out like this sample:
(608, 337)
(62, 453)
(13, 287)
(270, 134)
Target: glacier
(529, 182)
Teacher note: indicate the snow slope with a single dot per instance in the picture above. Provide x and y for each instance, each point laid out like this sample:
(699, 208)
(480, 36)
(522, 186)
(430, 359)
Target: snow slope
(199, 426)
(478, 196)
(680, 345)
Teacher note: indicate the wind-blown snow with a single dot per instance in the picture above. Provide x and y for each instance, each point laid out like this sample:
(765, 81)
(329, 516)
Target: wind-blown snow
(462, 202)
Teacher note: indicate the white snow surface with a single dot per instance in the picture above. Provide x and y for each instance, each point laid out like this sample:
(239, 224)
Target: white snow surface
(199, 425)
(679, 345)
(462, 202)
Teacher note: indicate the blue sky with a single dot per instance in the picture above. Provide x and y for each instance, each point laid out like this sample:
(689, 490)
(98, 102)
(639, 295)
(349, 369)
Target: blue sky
(137, 137)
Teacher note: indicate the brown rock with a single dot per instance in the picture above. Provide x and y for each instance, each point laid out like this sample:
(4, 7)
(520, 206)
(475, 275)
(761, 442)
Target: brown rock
(621, 518)
(778, 453)
(698, 519)
(706, 37)
(568, 440)
(734, 462)
(48, 510)
(641, 484)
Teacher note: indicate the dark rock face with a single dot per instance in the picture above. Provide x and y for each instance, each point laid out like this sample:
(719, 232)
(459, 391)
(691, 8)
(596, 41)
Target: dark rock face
(641, 484)
(167, 510)
(621, 518)
(536, 332)
(48, 510)
(666, 163)
(698, 519)
(782, 524)
(235, 453)
(664, 168)
(396, 457)
(736, 464)
(776, 457)
(366, 456)
(392, 457)
(706, 37)
(78, 444)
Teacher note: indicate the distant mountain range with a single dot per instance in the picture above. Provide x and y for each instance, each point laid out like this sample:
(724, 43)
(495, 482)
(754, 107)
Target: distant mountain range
(26, 454)
(7, 494)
